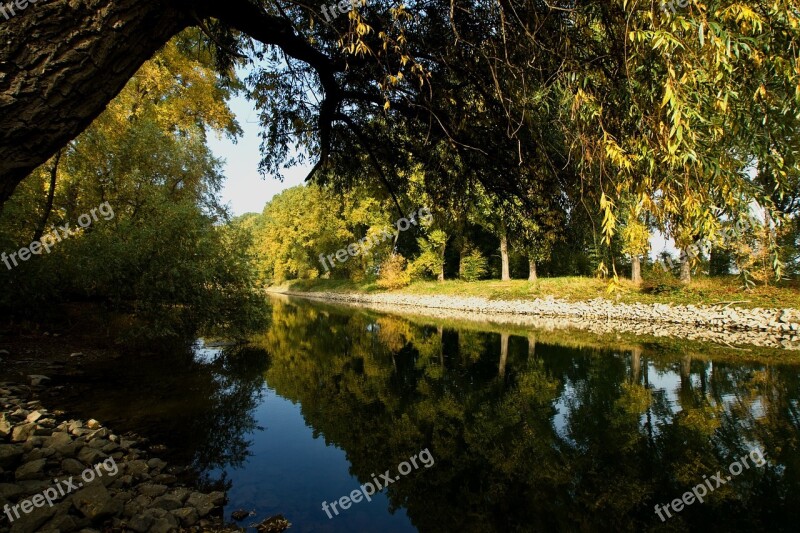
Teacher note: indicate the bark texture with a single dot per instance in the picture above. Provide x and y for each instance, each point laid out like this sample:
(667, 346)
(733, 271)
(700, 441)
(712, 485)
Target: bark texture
(61, 62)
(506, 273)
(636, 269)
(686, 269)
(532, 275)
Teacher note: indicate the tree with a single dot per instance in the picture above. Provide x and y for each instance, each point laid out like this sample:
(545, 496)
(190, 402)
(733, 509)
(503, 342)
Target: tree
(164, 254)
(636, 239)
(672, 108)
(505, 276)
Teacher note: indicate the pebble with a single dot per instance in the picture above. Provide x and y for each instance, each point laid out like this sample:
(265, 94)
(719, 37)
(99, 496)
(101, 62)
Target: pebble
(126, 501)
(774, 328)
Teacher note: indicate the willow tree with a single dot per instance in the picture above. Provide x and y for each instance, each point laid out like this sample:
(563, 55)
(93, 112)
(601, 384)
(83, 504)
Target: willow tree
(671, 108)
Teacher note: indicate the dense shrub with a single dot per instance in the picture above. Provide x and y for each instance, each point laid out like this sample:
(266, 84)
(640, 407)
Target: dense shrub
(474, 265)
(657, 280)
(394, 274)
(172, 267)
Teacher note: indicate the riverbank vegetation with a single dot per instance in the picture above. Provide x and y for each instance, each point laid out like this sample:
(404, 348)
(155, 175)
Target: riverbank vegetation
(463, 251)
(702, 291)
(556, 153)
(166, 257)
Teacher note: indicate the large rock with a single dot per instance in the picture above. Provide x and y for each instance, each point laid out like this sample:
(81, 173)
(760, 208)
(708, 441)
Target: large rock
(182, 493)
(157, 464)
(90, 456)
(205, 503)
(31, 470)
(186, 516)
(9, 491)
(34, 486)
(63, 523)
(96, 503)
(31, 523)
(22, 432)
(152, 490)
(168, 503)
(141, 523)
(72, 466)
(10, 456)
(5, 426)
(165, 479)
(57, 439)
(138, 468)
(38, 379)
(163, 522)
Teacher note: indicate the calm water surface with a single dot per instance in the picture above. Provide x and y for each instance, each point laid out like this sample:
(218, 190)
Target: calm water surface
(529, 430)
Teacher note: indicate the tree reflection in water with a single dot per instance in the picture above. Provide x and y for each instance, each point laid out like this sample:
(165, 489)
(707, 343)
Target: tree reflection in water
(531, 430)
(531, 435)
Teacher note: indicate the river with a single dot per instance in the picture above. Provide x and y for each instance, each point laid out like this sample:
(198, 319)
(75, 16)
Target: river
(510, 429)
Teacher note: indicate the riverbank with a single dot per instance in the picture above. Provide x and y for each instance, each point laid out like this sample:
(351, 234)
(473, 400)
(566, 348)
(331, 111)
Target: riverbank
(106, 480)
(661, 289)
(724, 324)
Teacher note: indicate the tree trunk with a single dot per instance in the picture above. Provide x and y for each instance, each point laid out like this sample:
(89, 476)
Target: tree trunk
(686, 269)
(532, 269)
(51, 194)
(636, 269)
(636, 364)
(503, 354)
(63, 61)
(506, 276)
(531, 347)
(440, 277)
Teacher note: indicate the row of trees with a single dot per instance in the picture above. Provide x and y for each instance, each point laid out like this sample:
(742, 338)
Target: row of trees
(477, 237)
(590, 124)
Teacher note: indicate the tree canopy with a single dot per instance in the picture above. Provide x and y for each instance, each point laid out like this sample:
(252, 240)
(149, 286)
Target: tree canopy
(529, 115)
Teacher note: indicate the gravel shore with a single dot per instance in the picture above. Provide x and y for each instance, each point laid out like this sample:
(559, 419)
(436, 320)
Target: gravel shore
(59, 474)
(775, 328)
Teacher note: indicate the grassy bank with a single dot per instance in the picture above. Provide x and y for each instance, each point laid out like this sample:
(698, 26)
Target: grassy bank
(702, 291)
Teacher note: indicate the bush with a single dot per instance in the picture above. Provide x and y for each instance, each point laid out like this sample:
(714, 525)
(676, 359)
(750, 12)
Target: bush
(474, 265)
(658, 281)
(429, 262)
(424, 266)
(394, 274)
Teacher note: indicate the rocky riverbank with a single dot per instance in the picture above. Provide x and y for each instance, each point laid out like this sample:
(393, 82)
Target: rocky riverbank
(773, 328)
(96, 480)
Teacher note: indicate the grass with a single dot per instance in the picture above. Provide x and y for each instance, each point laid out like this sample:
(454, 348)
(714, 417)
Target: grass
(702, 290)
(663, 349)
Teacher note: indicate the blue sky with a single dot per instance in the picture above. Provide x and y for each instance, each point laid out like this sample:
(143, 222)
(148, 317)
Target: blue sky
(245, 190)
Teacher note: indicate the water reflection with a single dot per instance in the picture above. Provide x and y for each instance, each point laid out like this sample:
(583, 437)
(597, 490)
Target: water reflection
(530, 430)
(530, 435)
(198, 402)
